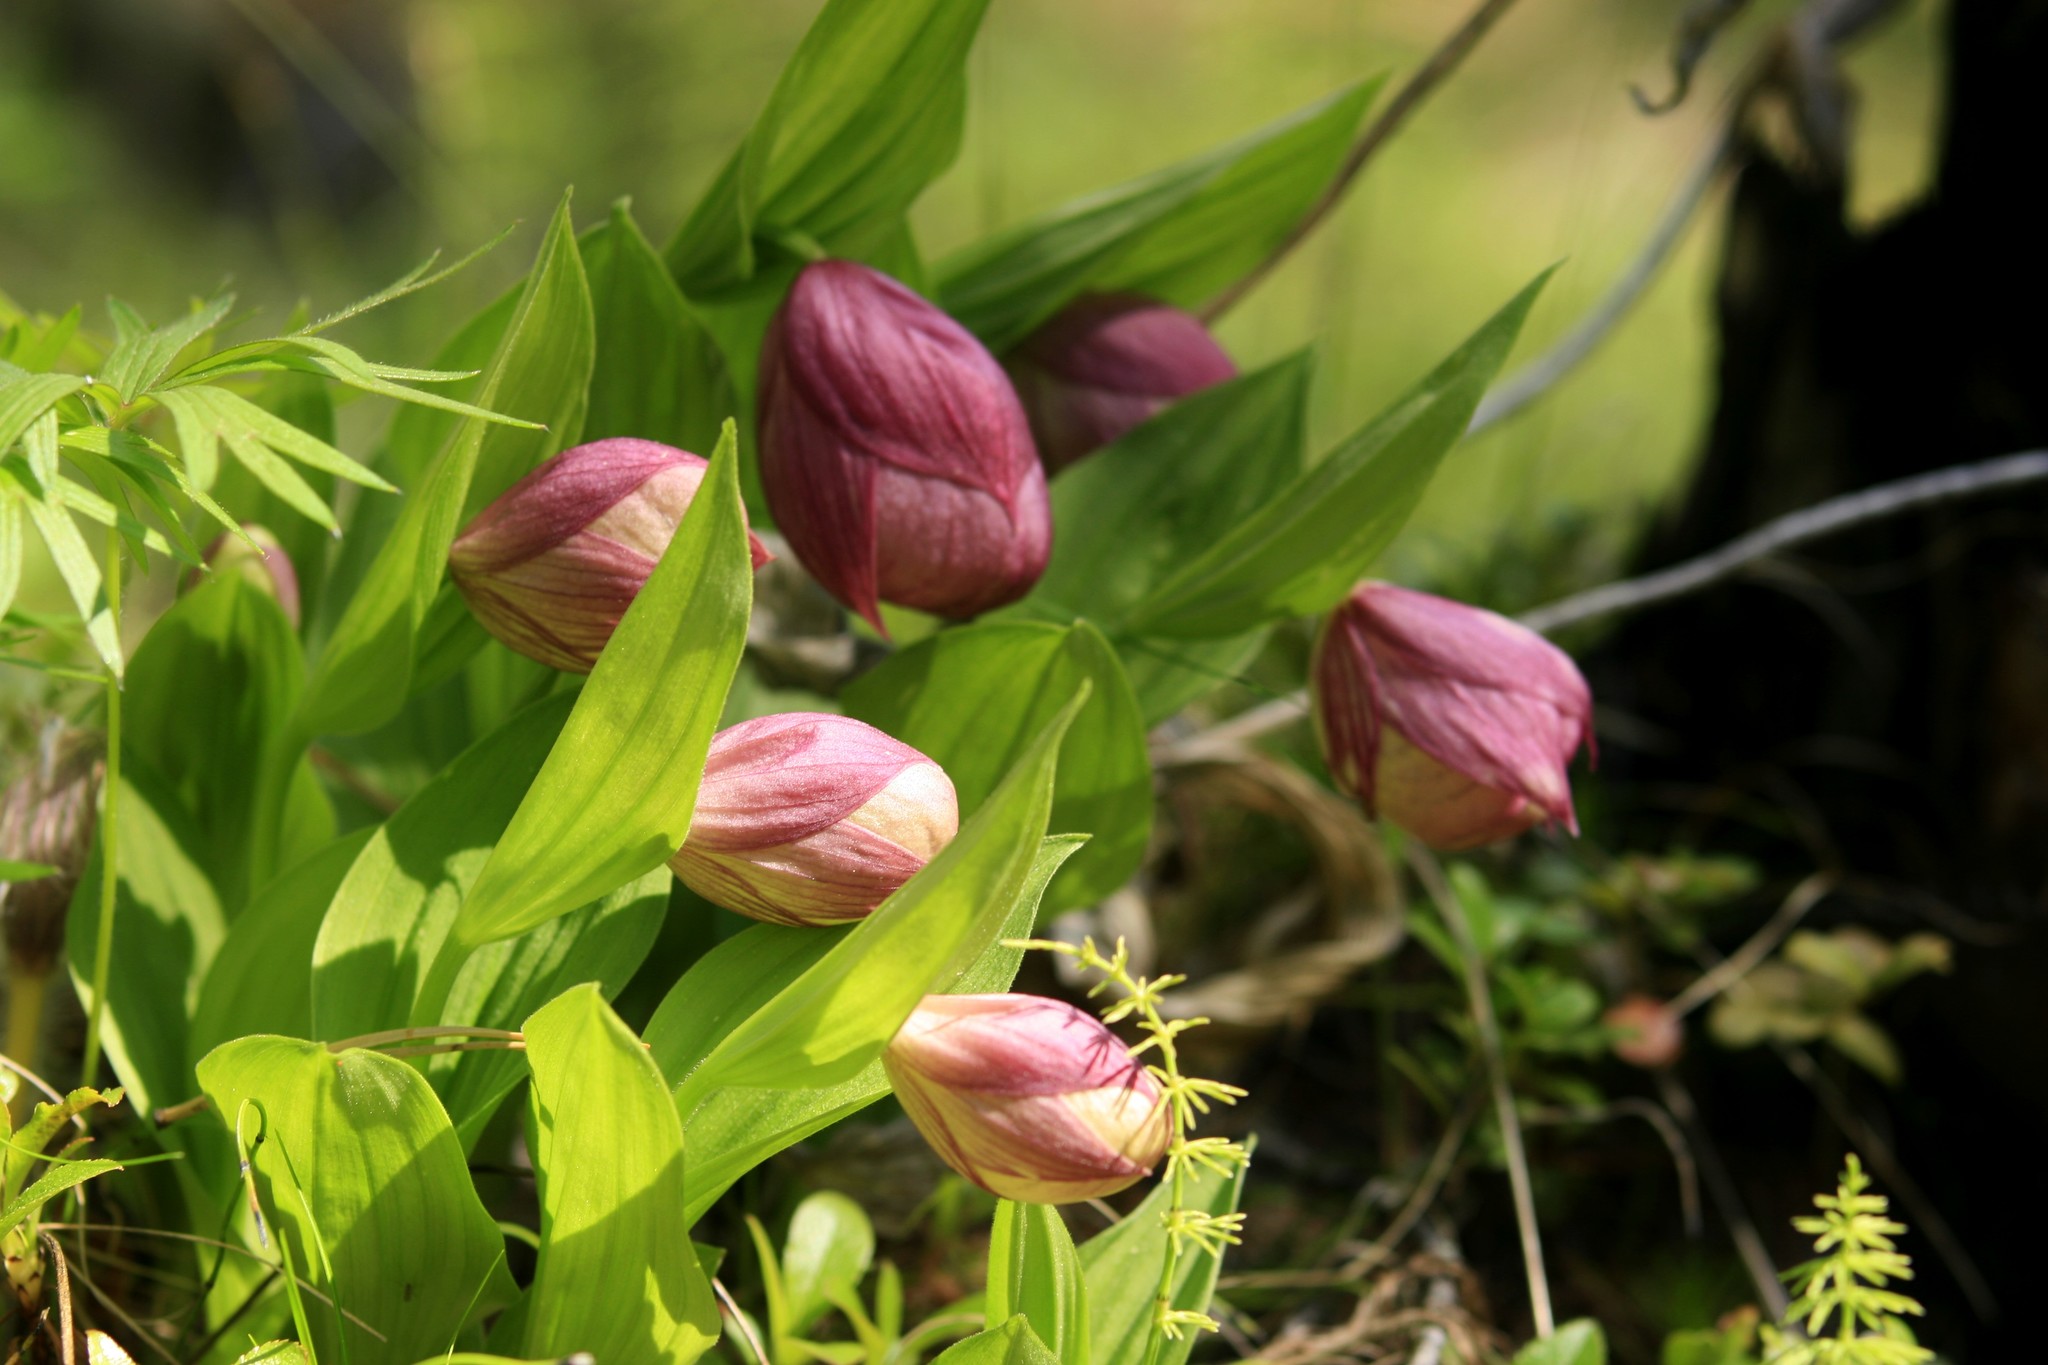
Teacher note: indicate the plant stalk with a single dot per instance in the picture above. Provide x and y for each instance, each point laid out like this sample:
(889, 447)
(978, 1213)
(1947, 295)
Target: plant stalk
(110, 801)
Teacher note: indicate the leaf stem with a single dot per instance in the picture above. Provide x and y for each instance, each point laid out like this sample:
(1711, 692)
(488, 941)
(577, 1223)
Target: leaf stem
(110, 801)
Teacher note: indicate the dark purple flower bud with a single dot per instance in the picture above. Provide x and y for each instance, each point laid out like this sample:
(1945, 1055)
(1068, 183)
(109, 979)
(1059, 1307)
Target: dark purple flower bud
(551, 566)
(894, 453)
(1104, 364)
(1453, 723)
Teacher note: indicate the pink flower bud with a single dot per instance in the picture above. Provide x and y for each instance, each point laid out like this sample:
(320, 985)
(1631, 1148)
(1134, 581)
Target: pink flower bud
(1454, 723)
(813, 819)
(551, 566)
(1031, 1099)
(894, 453)
(264, 564)
(1104, 364)
(1648, 1033)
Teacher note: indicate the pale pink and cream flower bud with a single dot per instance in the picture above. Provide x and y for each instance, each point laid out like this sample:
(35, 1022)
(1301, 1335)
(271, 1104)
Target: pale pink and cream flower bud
(894, 453)
(259, 559)
(804, 818)
(1106, 363)
(1453, 723)
(551, 566)
(1029, 1098)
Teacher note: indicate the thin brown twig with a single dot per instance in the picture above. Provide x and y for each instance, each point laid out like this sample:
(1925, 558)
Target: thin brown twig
(1666, 1128)
(141, 1333)
(746, 1328)
(64, 1322)
(1810, 892)
(1426, 78)
(1431, 874)
(1432, 1178)
(1749, 1243)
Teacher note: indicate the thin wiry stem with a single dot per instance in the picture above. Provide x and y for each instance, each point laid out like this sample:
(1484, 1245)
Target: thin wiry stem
(1738, 964)
(1426, 78)
(1749, 1243)
(1493, 1052)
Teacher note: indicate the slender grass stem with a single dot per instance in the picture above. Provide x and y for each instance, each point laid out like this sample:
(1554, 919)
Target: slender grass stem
(110, 802)
(1494, 1054)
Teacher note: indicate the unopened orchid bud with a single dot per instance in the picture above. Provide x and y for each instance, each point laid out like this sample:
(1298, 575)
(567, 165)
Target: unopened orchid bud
(260, 560)
(1029, 1098)
(1104, 364)
(805, 818)
(552, 565)
(894, 453)
(1647, 1033)
(1455, 724)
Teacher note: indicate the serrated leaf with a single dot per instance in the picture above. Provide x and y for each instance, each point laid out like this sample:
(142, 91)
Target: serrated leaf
(142, 357)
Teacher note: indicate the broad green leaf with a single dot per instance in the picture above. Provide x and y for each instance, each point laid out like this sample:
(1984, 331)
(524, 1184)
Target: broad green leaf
(393, 909)
(540, 370)
(167, 927)
(827, 1252)
(868, 111)
(211, 693)
(738, 1128)
(1121, 1267)
(834, 1019)
(1168, 674)
(974, 698)
(615, 797)
(1033, 1270)
(1306, 547)
(1179, 234)
(261, 978)
(1578, 1342)
(360, 1175)
(658, 374)
(615, 1277)
(1013, 1343)
(503, 982)
(417, 433)
(11, 544)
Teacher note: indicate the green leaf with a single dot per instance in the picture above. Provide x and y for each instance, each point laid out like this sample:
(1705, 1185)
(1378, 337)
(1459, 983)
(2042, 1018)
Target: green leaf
(261, 977)
(15, 870)
(393, 909)
(827, 1252)
(141, 357)
(361, 1177)
(1034, 1270)
(503, 982)
(1133, 515)
(540, 370)
(738, 1128)
(615, 797)
(75, 565)
(167, 927)
(974, 698)
(211, 693)
(658, 374)
(25, 398)
(53, 1182)
(1121, 1266)
(1179, 234)
(1013, 1343)
(1307, 547)
(1579, 1342)
(867, 113)
(11, 543)
(614, 1277)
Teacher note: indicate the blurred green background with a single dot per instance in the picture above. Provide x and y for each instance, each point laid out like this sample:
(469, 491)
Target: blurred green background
(151, 149)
